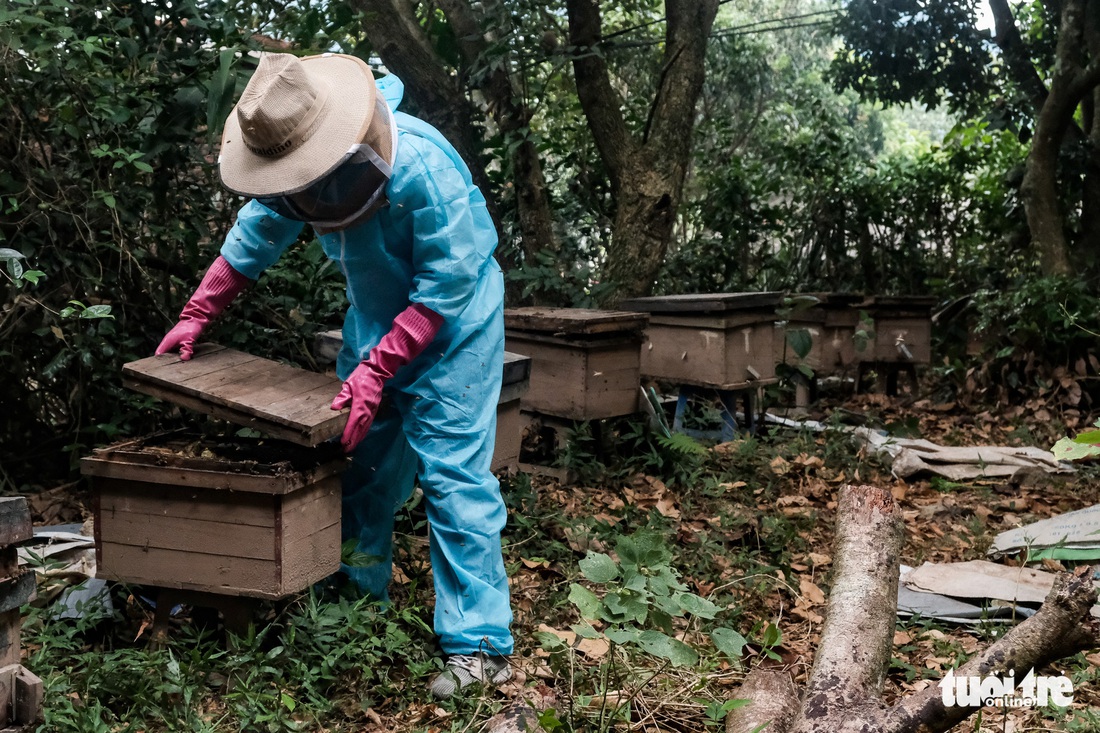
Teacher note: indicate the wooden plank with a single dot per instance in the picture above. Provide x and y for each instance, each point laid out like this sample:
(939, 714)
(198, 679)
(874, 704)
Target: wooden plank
(572, 321)
(28, 696)
(509, 437)
(517, 368)
(310, 559)
(187, 535)
(714, 321)
(704, 303)
(158, 500)
(302, 406)
(188, 570)
(15, 520)
(262, 466)
(247, 390)
(310, 510)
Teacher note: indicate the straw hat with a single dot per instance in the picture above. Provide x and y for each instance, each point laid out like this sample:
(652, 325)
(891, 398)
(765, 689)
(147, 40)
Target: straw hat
(296, 120)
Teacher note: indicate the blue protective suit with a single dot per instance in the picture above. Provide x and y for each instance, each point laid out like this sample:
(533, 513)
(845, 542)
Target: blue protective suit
(433, 244)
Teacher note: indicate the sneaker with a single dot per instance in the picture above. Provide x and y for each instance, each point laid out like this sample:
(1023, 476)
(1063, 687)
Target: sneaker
(463, 670)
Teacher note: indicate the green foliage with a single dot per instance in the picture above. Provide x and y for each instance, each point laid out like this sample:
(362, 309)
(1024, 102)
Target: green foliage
(636, 616)
(111, 190)
(902, 51)
(283, 677)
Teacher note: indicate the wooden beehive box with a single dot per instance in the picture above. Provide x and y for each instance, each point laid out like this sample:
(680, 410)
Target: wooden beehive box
(584, 362)
(277, 399)
(903, 329)
(245, 517)
(838, 337)
(724, 341)
(510, 423)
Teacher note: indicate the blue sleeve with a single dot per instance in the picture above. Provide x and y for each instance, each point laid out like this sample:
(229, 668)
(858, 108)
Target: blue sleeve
(258, 238)
(445, 254)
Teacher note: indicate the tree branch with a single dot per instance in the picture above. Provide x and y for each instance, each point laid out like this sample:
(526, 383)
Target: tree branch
(601, 103)
(1062, 627)
(1016, 53)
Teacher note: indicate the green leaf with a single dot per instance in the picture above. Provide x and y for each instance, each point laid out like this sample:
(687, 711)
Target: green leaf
(587, 602)
(1068, 449)
(585, 631)
(1092, 436)
(772, 636)
(625, 635)
(801, 342)
(97, 311)
(696, 606)
(729, 642)
(665, 647)
(550, 642)
(599, 568)
(626, 607)
(11, 254)
(32, 276)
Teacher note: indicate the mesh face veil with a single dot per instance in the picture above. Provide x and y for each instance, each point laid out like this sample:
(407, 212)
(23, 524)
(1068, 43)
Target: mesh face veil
(350, 192)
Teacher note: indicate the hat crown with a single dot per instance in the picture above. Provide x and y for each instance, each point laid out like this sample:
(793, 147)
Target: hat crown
(277, 106)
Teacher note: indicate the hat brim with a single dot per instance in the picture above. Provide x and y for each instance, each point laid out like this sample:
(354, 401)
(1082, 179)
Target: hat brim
(342, 122)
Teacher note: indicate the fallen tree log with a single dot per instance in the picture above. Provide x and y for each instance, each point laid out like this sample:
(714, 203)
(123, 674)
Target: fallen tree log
(844, 688)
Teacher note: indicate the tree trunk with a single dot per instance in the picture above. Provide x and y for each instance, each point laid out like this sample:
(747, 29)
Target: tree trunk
(1071, 82)
(405, 50)
(647, 171)
(845, 684)
(1090, 196)
(513, 117)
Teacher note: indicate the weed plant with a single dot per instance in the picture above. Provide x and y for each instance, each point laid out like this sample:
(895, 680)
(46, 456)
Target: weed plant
(318, 659)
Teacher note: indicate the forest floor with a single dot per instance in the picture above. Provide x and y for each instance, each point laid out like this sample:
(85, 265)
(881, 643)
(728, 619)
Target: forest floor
(746, 525)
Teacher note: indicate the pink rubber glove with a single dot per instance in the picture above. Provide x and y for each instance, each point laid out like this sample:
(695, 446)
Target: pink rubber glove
(218, 289)
(413, 329)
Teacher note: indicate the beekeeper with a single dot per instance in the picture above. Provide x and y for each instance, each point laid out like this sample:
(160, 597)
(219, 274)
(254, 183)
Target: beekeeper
(317, 141)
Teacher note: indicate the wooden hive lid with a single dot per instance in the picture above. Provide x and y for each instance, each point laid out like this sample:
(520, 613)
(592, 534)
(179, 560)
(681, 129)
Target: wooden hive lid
(916, 305)
(705, 303)
(277, 399)
(572, 321)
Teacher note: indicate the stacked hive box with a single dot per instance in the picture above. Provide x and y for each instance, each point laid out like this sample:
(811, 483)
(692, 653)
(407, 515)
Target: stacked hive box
(584, 363)
(901, 339)
(721, 341)
(224, 518)
(251, 518)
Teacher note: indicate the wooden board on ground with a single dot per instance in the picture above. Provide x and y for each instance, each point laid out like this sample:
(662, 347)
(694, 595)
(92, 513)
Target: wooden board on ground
(280, 400)
(577, 322)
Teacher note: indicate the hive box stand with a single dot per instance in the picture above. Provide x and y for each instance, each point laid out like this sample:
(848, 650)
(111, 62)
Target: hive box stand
(517, 380)
(20, 689)
(902, 338)
(720, 344)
